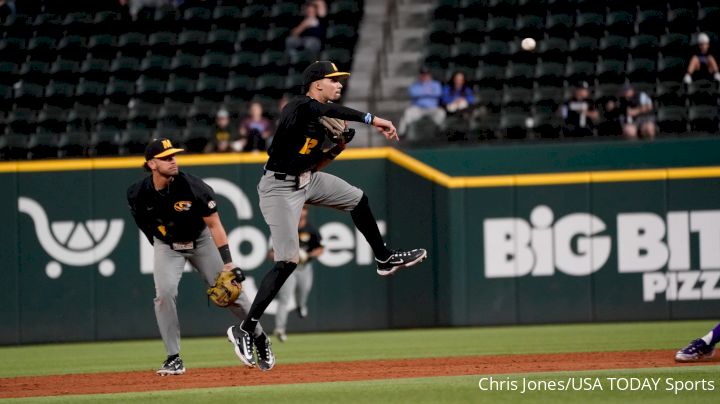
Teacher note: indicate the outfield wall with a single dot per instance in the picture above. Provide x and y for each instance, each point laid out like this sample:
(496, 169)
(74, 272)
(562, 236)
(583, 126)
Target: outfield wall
(622, 239)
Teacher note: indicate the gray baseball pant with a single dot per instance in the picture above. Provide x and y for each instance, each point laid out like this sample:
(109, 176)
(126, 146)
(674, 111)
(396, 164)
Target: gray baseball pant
(167, 271)
(281, 203)
(298, 285)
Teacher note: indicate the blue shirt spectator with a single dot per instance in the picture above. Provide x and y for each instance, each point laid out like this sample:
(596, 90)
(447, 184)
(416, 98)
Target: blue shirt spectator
(457, 95)
(426, 91)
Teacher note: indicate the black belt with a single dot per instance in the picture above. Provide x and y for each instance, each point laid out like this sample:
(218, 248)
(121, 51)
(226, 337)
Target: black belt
(280, 176)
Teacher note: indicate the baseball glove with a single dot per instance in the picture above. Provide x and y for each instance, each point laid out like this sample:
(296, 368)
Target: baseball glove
(227, 287)
(337, 129)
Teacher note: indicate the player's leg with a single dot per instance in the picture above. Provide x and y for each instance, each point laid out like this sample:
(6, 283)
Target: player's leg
(281, 205)
(283, 302)
(167, 270)
(207, 261)
(328, 190)
(701, 348)
(304, 278)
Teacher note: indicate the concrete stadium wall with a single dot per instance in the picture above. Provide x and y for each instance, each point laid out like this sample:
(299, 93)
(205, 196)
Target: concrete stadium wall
(617, 238)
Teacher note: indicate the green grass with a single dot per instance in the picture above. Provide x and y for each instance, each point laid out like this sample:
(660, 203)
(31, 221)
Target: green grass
(433, 390)
(212, 352)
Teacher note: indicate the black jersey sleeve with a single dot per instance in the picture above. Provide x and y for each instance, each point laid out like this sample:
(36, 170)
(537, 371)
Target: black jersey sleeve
(141, 218)
(331, 110)
(204, 196)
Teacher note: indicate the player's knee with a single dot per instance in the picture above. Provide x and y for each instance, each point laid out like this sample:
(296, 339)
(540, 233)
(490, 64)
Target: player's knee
(283, 266)
(362, 203)
(163, 296)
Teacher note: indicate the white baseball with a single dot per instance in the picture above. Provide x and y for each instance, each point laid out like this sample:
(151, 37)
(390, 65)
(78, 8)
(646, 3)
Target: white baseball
(528, 44)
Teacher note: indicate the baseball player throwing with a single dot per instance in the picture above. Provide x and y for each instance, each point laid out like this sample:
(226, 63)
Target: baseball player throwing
(292, 178)
(177, 213)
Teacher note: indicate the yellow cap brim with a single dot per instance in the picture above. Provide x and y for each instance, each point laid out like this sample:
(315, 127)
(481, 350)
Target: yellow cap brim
(337, 74)
(168, 152)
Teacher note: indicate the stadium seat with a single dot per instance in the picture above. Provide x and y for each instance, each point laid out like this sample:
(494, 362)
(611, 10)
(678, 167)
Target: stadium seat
(14, 146)
(559, 25)
(496, 51)
(547, 99)
(613, 47)
(185, 65)
(470, 29)
(81, 117)
(342, 57)
(222, 41)
(251, 39)
(102, 46)
(702, 92)
(215, 63)
(192, 42)
(670, 93)
(446, 10)
(12, 49)
(125, 67)
(47, 24)
(73, 144)
(549, 74)
(443, 32)
(21, 120)
(703, 118)
(285, 13)
(254, 15)
(620, 23)
(438, 55)
(60, 94)
(42, 146)
(28, 95)
(465, 54)
(590, 24)
(172, 115)
(149, 89)
(644, 46)
(164, 19)
(134, 141)
(198, 18)
(273, 62)
(180, 89)
(641, 70)
(650, 22)
(42, 48)
(8, 72)
(610, 71)
(163, 43)
(65, 70)
(72, 47)
(119, 91)
(226, 17)
(672, 119)
(529, 26)
(112, 117)
(343, 10)
(132, 44)
(340, 36)
(210, 88)
(520, 75)
(553, 50)
(708, 17)
(240, 86)
(104, 143)
(6, 96)
(270, 85)
(583, 49)
(579, 71)
(517, 98)
(195, 138)
(514, 125)
(89, 92)
(500, 28)
(490, 76)
(682, 20)
(155, 66)
(275, 38)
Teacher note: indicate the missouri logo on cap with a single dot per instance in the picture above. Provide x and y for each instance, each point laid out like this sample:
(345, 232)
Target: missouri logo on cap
(320, 70)
(160, 148)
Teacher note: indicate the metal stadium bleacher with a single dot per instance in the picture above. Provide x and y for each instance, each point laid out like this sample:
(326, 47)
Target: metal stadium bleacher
(606, 43)
(79, 80)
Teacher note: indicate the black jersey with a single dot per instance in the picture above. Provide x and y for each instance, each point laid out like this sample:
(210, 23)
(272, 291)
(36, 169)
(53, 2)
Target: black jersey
(309, 238)
(298, 140)
(174, 214)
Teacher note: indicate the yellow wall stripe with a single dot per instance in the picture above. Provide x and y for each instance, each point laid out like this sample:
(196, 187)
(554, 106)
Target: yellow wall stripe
(395, 156)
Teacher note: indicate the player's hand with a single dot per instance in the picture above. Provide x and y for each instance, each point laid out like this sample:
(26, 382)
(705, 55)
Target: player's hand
(386, 128)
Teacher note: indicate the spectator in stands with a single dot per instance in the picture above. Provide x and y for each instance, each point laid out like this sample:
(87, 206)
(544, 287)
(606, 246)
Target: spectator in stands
(7, 10)
(221, 137)
(255, 129)
(637, 114)
(457, 96)
(579, 112)
(703, 65)
(310, 33)
(425, 94)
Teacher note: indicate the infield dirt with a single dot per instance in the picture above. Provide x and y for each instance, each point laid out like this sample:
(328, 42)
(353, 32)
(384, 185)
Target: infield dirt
(138, 381)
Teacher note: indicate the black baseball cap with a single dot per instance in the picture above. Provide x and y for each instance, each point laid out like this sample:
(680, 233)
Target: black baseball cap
(161, 147)
(321, 69)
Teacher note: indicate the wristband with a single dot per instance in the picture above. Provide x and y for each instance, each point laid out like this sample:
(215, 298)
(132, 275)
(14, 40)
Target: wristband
(368, 118)
(225, 254)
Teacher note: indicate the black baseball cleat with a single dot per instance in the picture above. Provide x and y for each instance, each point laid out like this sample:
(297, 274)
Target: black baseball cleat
(265, 355)
(243, 343)
(172, 366)
(400, 259)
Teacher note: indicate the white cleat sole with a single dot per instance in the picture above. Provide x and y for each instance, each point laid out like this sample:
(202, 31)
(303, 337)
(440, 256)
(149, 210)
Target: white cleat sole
(409, 264)
(239, 354)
